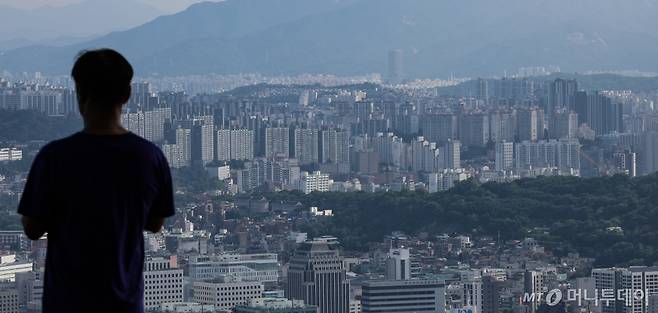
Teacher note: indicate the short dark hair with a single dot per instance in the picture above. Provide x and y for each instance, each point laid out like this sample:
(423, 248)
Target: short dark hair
(102, 76)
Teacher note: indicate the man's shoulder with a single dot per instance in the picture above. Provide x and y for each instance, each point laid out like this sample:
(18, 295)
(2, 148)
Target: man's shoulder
(75, 140)
(143, 143)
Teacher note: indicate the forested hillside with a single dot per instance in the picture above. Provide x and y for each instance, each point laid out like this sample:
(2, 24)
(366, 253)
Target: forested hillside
(565, 213)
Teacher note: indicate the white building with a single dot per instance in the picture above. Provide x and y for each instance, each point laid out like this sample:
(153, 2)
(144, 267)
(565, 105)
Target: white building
(11, 154)
(315, 181)
(219, 172)
(504, 156)
(9, 267)
(235, 144)
(163, 282)
(263, 267)
(226, 293)
(445, 180)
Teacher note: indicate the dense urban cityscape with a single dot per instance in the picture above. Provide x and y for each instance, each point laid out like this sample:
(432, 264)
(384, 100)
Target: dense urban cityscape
(236, 246)
(350, 156)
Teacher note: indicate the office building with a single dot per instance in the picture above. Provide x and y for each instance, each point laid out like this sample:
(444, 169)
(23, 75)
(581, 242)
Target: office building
(263, 268)
(492, 287)
(398, 264)
(316, 276)
(226, 293)
(11, 154)
(472, 296)
(627, 283)
(403, 296)
(163, 282)
(9, 300)
(533, 284)
(9, 267)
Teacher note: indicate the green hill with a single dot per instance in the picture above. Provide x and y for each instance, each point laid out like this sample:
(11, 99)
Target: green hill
(572, 213)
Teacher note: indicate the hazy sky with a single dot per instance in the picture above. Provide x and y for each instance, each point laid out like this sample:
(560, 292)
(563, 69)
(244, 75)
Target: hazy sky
(168, 6)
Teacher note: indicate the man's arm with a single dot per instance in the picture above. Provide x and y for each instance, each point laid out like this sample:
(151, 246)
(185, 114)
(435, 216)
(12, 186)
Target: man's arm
(33, 228)
(36, 200)
(154, 224)
(163, 205)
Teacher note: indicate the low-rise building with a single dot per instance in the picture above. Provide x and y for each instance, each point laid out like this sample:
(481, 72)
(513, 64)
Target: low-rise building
(226, 293)
(275, 305)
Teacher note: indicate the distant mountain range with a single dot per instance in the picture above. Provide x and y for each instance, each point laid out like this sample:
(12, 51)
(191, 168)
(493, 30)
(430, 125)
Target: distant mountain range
(437, 37)
(78, 20)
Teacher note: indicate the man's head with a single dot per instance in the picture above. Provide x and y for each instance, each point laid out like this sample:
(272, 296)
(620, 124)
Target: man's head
(102, 80)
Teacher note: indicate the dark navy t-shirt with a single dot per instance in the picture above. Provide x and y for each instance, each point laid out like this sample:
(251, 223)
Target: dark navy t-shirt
(95, 194)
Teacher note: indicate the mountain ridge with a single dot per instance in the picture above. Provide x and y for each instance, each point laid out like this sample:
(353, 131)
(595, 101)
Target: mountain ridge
(466, 37)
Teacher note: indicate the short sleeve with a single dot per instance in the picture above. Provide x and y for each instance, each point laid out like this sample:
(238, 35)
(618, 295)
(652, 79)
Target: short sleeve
(36, 200)
(163, 206)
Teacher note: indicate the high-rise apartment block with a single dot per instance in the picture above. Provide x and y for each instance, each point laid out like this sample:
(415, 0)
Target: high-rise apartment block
(504, 156)
(235, 144)
(277, 141)
(306, 145)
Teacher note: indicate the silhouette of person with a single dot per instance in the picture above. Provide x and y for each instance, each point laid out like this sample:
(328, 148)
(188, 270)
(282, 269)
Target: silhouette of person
(94, 194)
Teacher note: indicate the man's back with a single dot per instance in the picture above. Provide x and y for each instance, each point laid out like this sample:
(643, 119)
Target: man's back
(96, 193)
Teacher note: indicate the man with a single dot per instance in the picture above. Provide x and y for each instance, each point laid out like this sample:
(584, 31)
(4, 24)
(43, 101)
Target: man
(94, 193)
